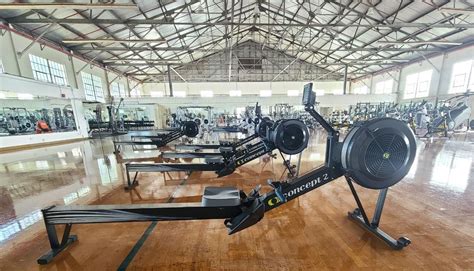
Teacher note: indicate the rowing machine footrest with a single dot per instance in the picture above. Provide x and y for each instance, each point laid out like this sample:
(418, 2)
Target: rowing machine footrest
(220, 196)
(247, 218)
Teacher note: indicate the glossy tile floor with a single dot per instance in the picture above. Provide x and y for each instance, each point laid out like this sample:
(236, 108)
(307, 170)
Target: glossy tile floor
(433, 206)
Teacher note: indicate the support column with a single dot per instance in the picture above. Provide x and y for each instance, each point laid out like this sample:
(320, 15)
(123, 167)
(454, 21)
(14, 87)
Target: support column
(169, 80)
(371, 84)
(398, 84)
(15, 53)
(441, 71)
(108, 83)
(73, 68)
(345, 80)
(128, 86)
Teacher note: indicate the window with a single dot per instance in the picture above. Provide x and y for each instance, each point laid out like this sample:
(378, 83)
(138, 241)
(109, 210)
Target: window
(156, 94)
(117, 90)
(361, 90)
(48, 71)
(179, 93)
(418, 85)
(207, 93)
(384, 87)
(293, 92)
(265, 93)
(338, 92)
(92, 87)
(319, 92)
(57, 73)
(462, 77)
(24, 96)
(235, 93)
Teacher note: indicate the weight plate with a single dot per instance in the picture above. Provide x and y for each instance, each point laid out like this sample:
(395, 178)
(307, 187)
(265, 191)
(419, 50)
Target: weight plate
(379, 153)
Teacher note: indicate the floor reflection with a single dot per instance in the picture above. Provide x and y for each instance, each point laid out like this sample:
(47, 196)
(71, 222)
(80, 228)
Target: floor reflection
(58, 175)
(452, 167)
(85, 172)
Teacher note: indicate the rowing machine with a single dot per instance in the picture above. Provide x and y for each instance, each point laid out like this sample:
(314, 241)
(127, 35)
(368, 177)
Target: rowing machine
(376, 155)
(287, 136)
(187, 128)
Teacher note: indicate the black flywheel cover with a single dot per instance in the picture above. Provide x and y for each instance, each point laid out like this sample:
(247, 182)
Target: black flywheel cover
(290, 136)
(379, 153)
(190, 128)
(263, 126)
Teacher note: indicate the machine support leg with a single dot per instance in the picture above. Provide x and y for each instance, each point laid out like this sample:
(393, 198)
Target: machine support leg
(359, 204)
(56, 246)
(379, 207)
(131, 183)
(360, 217)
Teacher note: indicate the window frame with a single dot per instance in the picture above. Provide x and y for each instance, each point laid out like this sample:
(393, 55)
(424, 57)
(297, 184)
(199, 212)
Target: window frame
(468, 77)
(49, 71)
(415, 81)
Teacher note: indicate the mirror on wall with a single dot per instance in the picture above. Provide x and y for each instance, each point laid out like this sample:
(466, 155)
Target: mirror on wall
(24, 114)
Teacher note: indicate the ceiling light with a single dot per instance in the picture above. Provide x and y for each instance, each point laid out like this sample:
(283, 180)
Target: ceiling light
(434, 42)
(457, 11)
(265, 93)
(207, 93)
(67, 6)
(83, 41)
(24, 96)
(235, 93)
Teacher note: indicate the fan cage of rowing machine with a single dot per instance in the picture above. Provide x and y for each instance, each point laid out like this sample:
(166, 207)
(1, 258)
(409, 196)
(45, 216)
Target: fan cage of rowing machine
(263, 126)
(290, 136)
(190, 128)
(379, 153)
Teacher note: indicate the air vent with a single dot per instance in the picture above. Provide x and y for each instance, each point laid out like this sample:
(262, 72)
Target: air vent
(251, 63)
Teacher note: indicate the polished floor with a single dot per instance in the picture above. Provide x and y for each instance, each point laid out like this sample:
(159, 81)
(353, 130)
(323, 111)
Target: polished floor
(433, 206)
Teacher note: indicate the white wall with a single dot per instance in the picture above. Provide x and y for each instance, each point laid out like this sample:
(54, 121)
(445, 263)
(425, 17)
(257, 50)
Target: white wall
(251, 88)
(228, 104)
(442, 66)
(13, 41)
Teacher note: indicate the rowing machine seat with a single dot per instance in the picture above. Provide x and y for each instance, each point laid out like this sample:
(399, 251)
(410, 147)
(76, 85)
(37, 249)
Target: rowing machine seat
(220, 196)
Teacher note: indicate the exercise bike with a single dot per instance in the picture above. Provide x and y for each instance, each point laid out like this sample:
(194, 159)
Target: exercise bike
(375, 155)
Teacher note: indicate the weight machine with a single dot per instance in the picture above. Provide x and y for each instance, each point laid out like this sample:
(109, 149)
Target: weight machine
(376, 155)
